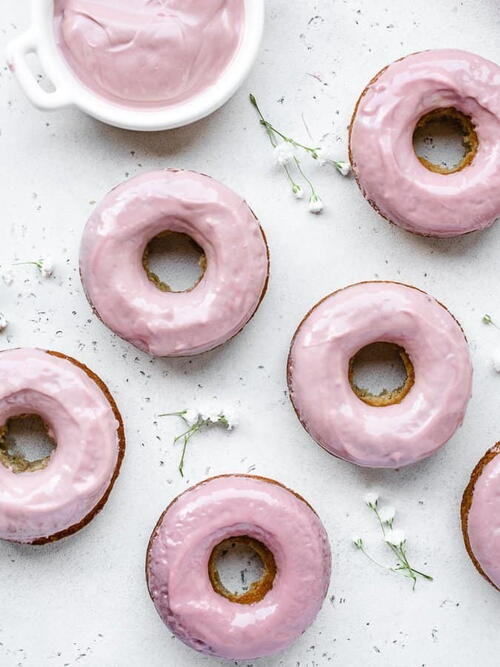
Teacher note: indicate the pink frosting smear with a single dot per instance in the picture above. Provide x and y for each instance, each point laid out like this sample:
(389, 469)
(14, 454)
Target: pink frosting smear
(177, 567)
(484, 520)
(384, 161)
(395, 435)
(174, 323)
(40, 504)
(149, 53)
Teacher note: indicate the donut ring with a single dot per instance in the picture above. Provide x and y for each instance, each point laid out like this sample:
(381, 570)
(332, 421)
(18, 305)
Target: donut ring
(180, 555)
(172, 324)
(58, 495)
(480, 514)
(419, 421)
(400, 186)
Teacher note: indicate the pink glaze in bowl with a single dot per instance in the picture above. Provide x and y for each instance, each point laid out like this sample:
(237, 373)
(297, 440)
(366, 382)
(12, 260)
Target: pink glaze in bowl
(211, 76)
(149, 53)
(203, 517)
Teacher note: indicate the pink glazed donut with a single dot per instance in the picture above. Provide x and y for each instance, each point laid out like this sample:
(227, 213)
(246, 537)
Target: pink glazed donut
(46, 500)
(437, 390)
(193, 604)
(481, 516)
(393, 179)
(165, 323)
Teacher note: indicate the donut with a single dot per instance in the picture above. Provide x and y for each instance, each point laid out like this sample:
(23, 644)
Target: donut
(134, 303)
(480, 514)
(409, 191)
(397, 428)
(188, 594)
(46, 500)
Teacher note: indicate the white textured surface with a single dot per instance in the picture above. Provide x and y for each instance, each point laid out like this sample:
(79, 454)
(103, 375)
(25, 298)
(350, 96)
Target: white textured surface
(83, 601)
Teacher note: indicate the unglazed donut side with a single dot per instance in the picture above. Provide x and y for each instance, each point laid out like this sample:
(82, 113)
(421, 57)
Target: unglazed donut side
(465, 507)
(120, 455)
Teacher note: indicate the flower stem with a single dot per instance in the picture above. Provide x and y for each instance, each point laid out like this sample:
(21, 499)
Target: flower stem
(270, 128)
(307, 180)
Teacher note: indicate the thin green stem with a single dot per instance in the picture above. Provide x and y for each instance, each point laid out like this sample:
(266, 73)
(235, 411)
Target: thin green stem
(363, 551)
(269, 127)
(301, 171)
(183, 456)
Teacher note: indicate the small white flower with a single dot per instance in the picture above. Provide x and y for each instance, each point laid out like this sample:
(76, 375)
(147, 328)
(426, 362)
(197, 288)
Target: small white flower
(298, 192)
(191, 416)
(495, 360)
(371, 498)
(284, 153)
(395, 537)
(357, 541)
(387, 514)
(344, 168)
(3, 322)
(46, 267)
(326, 153)
(231, 418)
(8, 278)
(315, 204)
(209, 414)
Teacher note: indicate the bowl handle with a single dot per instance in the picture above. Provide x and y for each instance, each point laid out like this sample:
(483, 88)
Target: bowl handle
(17, 51)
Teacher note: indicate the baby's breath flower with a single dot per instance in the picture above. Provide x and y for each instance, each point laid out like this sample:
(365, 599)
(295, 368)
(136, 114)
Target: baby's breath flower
(44, 265)
(191, 416)
(284, 153)
(298, 192)
(344, 168)
(315, 204)
(495, 360)
(387, 514)
(327, 156)
(488, 320)
(395, 537)
(357, 541)
(8, 278)
(230, 418)
(371, 498)
(196, 420)
(4, 323)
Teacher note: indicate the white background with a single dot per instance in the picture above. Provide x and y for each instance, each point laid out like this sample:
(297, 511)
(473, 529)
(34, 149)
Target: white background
(84, 601)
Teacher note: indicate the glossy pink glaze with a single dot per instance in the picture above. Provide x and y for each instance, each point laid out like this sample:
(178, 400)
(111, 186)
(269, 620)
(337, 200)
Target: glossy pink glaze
(384, 161)
(36, 505)
(395, 435)
(177, 567)
(484, 521)
(152, 53)
(174, 323)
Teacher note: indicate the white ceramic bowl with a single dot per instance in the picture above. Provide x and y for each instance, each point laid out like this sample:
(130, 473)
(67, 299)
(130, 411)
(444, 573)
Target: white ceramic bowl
(69, 90)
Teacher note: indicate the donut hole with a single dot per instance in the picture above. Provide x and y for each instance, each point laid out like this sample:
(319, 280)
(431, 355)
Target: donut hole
(174, 262)
(25, 444)
(445, 141)
(381, 374)
(242, 569)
